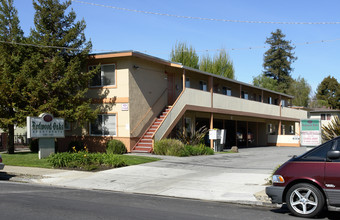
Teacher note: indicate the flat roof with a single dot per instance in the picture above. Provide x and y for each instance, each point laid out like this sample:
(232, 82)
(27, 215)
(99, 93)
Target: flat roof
(132, 53)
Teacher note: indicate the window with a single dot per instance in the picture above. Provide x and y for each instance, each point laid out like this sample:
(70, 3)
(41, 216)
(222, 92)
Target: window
(270, 100)
(106, 76)
(326, 117)
(187, 82)
(283, 103)
(104, 125)
(283, 129)
(67, 125)
(203, 86)
(260, 98)
(319, 153)
(244, 95)
(226, 91)
(270, 128)
(291, 129)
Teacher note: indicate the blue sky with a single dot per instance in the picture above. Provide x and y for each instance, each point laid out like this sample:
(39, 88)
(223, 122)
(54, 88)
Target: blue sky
(117, 30)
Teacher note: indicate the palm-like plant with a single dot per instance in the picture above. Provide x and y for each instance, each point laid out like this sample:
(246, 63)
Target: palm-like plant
(194, 138)
(332, 130)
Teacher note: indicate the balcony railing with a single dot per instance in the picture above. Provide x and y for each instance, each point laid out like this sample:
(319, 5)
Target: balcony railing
(230, 105)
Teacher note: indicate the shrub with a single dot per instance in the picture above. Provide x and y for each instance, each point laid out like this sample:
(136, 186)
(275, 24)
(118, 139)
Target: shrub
(115, 147)
(75, 146)
(168, 147)
(173, 147)
(85, 160)
(200, 149)
(34, 146)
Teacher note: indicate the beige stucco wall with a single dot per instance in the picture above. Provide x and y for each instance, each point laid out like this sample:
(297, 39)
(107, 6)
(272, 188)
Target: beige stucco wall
(121, 89)
(113, 98)
(147, 94)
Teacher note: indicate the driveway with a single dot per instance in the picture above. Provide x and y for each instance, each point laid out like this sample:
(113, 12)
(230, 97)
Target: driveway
(235, 177)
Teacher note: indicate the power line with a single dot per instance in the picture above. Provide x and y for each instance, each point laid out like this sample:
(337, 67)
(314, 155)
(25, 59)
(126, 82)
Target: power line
(146, 51)
(205, 19)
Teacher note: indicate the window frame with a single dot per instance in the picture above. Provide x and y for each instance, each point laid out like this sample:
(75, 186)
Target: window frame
(102, 75)
(203, 83)
(102, 132)
(226, 91)
(244, 95)
(67, 125)
(270, 100)
(187, 82)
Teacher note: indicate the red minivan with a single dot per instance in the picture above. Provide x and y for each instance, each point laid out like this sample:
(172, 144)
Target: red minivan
(309, 182)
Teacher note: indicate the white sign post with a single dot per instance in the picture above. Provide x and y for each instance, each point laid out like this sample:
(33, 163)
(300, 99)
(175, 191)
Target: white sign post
(46, 128)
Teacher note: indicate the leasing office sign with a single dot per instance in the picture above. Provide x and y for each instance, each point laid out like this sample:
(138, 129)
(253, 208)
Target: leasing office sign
(45, 126)
(310, 132)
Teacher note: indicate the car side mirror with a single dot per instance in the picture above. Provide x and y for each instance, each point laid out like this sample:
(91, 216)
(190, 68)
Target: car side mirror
(333, 154)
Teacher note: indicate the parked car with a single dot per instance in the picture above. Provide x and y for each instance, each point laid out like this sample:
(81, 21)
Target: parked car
(1, 164)
(310, 182)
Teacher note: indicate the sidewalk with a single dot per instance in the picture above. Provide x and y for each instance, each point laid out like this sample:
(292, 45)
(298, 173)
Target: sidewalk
(237, 178)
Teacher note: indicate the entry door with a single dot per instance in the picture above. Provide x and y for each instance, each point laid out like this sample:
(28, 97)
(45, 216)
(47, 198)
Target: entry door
(171, 88)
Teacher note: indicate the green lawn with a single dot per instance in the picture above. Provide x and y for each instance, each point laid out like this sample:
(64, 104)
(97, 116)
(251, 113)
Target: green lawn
(25, 159)
(28, 159)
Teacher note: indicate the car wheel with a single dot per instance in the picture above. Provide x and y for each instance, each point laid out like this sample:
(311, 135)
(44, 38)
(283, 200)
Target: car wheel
(305, 200)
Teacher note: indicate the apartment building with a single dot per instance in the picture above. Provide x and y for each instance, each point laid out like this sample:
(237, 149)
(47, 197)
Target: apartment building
(143, 99)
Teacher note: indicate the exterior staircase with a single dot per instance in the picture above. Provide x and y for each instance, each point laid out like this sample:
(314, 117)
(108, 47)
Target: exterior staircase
(144, 145)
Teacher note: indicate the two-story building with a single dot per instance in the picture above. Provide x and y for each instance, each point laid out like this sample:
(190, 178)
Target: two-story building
(144, 98)
(325, 115)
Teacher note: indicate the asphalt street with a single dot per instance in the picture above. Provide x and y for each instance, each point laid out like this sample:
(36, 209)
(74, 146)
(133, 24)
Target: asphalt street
(32, 202)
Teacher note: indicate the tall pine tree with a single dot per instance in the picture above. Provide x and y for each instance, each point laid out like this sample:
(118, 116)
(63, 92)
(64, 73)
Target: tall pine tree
(278, 60)
(57, 66)
(12, 79)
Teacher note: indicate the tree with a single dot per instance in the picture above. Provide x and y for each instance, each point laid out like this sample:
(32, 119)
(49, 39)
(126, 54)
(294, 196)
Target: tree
(57, 80)
(185, 55)
(266, 82)
(12, 80)
(219, 65)
(278, 60)
(300, 89)
(328, 92)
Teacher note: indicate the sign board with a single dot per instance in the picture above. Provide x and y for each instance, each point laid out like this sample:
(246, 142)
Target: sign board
(213, 134)
(310, 132)
(125, 107)
(45, 126)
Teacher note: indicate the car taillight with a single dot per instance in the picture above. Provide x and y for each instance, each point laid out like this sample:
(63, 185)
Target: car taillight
(0, 160)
